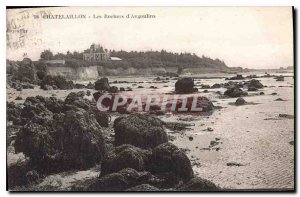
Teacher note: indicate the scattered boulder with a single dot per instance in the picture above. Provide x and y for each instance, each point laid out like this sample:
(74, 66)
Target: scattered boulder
(88, 93)
(234, 164)
(198, 184)
(125, 156)
(280, 78)
(102, 118)
(184, 85)
(19, 98)
(255, 83)
(102, 84)
(113, 89)
(205, 86)
(287, 116)
(16, 173)
(13, 111)
(57, 82)
(26, 71)
(79, 86)
(143, 187)
(252, 89)
(235, 92)
(90, 86)
(237, 77)
(32, 177)
(60, 142)
(261, 93)
(122, 180)
(240, 101)
(167, 158)
(216, 85)
(141, 130)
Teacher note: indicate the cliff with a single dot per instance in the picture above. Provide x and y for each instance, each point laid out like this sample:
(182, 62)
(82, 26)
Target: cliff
(80, 73)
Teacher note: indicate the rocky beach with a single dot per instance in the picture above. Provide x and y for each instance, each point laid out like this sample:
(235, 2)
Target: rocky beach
(58, 141)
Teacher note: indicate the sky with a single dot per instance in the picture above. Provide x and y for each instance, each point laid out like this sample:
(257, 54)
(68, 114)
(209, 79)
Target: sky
(249, 37)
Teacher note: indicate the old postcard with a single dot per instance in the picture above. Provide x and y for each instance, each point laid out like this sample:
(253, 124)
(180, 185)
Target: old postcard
(150, 99)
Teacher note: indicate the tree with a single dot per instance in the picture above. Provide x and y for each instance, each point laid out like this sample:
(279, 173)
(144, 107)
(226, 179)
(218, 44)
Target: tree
(46, 55)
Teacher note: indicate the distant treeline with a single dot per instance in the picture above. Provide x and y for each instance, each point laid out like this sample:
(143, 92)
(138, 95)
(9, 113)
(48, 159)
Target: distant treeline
(141, 59)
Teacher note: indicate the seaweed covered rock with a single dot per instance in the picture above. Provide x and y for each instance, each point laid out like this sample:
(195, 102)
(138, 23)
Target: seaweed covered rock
(26, 71)
(125, 156)
(235, 92)
(58, 82)
(202, 104)
(169, 159)
(113, 89)
(140, 130)
(198, 184)
(62, 141)
(16, 174)
(13, 111)
(279, 78)
(184, 85)
(237, 77)
(255, 83)
(250, 89)
(143, 187)
(240, 101)
(117, 181)
(102, 118)
(102, 84)
(216, 85)
(76, 99)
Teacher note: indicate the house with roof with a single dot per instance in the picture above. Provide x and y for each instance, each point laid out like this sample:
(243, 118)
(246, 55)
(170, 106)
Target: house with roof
(96, 53)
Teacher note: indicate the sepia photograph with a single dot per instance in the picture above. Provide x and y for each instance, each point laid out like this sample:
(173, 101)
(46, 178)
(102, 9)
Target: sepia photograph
(150, 99)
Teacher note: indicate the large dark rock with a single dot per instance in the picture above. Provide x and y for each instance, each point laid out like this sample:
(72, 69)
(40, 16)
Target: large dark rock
(198, 184)
(237, 77)
(113, 89)
(184, 85)
(240, 101)
(235, 92)
(117, 181)
(143, 188)
(13, 111)
(255, 83)
(203, 104)
(76, 99)
(61, 141)
(216, 85)
(140, 130)
(168, 159)
(16, 174)
(102, 118)
(26, 71)
(57, 82)
(125, 156)
(280, 78)
(102, 84)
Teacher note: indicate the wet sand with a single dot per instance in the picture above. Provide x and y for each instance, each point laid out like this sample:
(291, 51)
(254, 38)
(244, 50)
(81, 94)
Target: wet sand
(246, 147)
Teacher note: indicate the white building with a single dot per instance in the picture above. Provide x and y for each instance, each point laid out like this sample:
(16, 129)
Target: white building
(96, 53)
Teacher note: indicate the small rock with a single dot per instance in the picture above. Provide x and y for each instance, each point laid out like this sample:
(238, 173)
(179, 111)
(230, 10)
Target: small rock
(209, 129)
(234, 164)
(240, 101)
